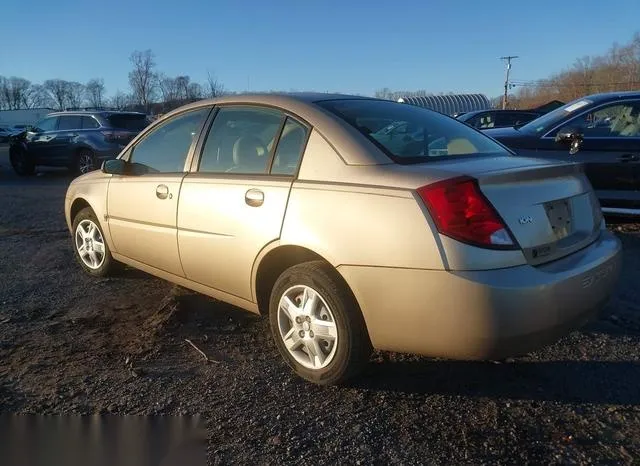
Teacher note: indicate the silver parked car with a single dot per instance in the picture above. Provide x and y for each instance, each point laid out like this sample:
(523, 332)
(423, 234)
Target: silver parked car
(433, 240)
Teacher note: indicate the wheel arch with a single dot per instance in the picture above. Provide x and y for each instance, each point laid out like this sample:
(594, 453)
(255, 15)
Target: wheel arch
(275, 259)
(77, 205)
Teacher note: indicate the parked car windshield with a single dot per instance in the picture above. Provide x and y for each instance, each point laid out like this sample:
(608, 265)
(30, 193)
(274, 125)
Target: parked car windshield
(547, 121)
(128, 121)
(411, 134)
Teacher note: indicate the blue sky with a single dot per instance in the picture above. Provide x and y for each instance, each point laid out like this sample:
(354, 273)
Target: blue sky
(357, 46)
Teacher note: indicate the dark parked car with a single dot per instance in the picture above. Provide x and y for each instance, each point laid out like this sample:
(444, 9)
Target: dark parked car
(483, 119)
(603, 132)
(79, 140)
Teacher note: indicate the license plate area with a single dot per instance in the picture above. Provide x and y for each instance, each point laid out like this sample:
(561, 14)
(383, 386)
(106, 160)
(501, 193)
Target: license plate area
(560, 217)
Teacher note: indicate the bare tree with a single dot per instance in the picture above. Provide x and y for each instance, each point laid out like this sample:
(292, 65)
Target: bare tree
(39, 97)
(58, 90)
(94, 90)
(168, 88)
(76, 92)
(120, 101)
(14, 93)
(214, 88)
(142, 78)
(182, 86)
(194, 92)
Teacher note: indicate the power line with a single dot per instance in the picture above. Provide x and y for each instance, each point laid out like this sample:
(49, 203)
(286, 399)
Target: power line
(508, 59)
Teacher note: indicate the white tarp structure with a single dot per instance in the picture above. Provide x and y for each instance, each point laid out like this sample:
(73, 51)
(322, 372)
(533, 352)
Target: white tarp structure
(22, 117)
(450, 104)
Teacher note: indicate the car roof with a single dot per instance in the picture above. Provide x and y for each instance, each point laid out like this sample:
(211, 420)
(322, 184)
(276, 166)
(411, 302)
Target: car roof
(609, 96)
(94, 112)
(351, 145)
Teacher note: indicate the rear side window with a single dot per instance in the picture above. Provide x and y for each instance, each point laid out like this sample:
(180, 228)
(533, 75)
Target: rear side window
(128, 121)
(70, 122)
(289, 149)
(89, 122)
(412, 134)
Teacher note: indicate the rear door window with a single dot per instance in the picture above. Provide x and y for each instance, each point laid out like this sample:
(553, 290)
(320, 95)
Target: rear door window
(69, 122)
(241, 140)
(128, 121)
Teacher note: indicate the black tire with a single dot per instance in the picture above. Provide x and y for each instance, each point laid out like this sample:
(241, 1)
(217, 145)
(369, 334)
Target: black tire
(84, 162)
(20, 162)
(108, 265)
(353, 347)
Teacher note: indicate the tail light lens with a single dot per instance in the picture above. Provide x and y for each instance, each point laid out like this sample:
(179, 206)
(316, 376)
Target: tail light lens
(461, 211)
(116, 136)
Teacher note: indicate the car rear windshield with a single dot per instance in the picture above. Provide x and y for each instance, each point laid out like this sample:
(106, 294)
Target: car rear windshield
(411, 134)
(128, 121)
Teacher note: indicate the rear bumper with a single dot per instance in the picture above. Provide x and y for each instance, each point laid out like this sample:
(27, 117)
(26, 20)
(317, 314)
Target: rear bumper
(485, 314)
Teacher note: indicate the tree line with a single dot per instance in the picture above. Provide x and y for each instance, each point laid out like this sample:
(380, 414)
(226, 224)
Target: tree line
(616, 70)
(150, 89)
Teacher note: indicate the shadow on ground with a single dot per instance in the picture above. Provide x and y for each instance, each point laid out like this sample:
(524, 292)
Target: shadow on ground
(598, 382)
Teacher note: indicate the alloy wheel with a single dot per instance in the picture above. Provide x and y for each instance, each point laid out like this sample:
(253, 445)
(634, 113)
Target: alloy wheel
(90, 244)
(307, 327)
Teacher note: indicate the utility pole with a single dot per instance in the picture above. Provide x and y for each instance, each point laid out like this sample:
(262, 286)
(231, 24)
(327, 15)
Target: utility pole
(506, 79)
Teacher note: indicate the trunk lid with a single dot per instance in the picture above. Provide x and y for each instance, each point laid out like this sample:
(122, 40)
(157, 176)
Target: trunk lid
(549, 207)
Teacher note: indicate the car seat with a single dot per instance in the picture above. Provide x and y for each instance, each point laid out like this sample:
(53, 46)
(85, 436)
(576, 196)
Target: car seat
(249, 155)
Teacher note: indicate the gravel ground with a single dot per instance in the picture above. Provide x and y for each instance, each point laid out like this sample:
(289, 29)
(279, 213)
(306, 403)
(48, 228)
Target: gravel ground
(72, 344)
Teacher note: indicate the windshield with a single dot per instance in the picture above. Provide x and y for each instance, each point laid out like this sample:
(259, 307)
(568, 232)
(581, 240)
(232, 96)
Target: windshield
(411, 134)
(549, 120)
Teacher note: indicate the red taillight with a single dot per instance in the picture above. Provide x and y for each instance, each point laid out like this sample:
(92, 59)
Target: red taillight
(461, 211)
(116, 136)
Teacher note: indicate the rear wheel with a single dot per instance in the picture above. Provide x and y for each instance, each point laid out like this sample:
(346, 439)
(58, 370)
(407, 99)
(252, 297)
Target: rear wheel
(317, 324)
(84, 162)
(20, 162)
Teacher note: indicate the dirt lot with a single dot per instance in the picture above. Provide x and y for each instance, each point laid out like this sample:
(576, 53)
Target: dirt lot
(72, 344)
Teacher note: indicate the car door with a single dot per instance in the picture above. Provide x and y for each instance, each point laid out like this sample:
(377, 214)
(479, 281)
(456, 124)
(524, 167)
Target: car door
(142, 204)
(232, 203)
(61, 150)
(610, 151)
(40, 139)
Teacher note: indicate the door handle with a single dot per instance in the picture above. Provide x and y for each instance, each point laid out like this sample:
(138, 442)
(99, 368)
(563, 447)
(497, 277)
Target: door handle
(162, 192)
(254, 197)
(629, 158)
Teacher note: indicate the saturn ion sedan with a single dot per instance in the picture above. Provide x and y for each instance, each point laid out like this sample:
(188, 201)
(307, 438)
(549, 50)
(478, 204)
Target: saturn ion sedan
(430, 238)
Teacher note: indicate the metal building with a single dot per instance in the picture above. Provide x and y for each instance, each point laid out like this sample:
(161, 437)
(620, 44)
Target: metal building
(23, 117)
(450, 104)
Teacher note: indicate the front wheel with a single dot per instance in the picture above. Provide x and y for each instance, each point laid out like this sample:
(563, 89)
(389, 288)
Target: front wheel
(91, 249)
(317, 324)
(20, 162)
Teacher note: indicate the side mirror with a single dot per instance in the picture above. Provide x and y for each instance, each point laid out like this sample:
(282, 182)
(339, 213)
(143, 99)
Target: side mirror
(114, 167)
(571, 136)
